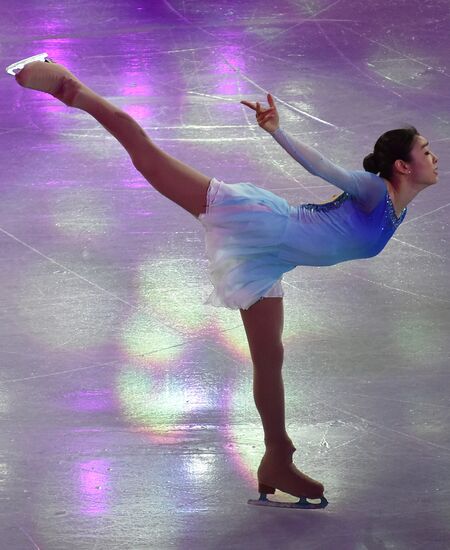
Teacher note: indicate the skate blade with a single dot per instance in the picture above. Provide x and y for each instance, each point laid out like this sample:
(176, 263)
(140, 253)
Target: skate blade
(303, 503)
(19, 65)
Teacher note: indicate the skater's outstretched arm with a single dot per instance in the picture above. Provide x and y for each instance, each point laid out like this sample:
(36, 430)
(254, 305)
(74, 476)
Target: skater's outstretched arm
(366, 187)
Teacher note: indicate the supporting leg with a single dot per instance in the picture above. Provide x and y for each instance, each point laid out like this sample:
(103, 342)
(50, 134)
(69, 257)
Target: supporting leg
(263, 324)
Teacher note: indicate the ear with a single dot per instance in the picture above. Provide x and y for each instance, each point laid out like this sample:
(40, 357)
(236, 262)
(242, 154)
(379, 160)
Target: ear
(401, 166)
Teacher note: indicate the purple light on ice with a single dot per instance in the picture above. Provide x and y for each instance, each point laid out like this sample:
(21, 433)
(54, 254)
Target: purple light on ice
(88, 400)
(93, 478)
(229, 62)
(136, 84)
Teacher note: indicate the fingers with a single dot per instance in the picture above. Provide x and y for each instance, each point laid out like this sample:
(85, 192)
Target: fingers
(257, 106)
(266, 118)
(249, 104)
(264, 112)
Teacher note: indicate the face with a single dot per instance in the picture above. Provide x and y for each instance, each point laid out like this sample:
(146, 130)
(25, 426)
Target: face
(423, 164)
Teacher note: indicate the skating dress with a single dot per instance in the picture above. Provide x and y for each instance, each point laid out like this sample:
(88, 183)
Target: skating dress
(253, 236)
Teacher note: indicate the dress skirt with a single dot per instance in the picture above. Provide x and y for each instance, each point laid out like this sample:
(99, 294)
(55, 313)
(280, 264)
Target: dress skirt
(244, 227)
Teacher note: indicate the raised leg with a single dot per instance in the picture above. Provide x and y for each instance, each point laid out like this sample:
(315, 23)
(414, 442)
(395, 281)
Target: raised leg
(177, 181)
(263, 324)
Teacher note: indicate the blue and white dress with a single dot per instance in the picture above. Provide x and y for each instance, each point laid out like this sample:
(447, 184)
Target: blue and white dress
(253, 236)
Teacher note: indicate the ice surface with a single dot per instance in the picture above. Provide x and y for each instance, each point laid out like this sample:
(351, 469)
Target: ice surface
(127, 417)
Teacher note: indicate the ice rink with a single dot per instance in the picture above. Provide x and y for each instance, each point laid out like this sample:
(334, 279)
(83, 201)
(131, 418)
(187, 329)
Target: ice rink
(126, 407)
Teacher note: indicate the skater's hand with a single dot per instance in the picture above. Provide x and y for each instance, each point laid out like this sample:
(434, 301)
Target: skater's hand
(267, 119)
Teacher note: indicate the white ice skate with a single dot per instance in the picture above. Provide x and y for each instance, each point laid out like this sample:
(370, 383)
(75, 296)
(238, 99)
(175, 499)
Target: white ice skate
(19, 65)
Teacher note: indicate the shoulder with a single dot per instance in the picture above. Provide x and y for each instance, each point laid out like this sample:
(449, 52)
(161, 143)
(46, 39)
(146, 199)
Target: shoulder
(371, 189)
(363, 175)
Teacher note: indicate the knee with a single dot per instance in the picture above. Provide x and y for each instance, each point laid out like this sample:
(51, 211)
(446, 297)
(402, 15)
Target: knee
(268, 357)
(142, 164)
(138, 162)
(146, 166)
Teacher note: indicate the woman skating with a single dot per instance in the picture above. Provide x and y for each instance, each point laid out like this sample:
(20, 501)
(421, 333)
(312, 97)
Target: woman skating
(254, 236)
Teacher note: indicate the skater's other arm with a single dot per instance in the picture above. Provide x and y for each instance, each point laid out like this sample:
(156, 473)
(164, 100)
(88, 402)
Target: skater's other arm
(366, 187)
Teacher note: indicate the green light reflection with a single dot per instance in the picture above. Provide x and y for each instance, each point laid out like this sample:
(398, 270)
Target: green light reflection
(143, 336)
(156, 403)
(172, 289)
(165, 400)
(299, 323)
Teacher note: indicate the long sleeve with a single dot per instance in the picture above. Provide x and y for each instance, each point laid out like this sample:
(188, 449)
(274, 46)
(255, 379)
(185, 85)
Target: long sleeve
(366, 187)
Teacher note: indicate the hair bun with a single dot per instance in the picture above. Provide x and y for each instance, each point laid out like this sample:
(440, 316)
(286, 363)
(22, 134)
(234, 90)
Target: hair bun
(370, 164)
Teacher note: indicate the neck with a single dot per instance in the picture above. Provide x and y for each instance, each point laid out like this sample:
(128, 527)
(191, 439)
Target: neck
(402, 191)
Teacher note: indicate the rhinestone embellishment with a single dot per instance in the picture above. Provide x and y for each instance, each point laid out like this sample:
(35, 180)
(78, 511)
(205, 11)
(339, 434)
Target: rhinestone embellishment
(328, 205)
(396, 221)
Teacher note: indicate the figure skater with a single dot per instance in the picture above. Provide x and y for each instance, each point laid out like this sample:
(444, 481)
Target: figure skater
(254, 236)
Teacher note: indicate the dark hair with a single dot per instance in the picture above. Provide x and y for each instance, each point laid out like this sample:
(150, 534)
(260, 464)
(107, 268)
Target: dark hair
(392, 145)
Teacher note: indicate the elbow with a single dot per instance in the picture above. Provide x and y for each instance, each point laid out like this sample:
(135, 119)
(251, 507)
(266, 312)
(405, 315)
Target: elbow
(314, 171)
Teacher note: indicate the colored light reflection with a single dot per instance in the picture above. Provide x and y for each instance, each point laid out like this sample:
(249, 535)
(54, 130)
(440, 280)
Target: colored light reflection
(139, 112)
(144, 336)
(199, 466)
(135, 84)
(306, 321)
(159, 402)
(56, 48)
(132, 86)
(92, 481)
(170, 288)
(88, 400)
(235, 341)
(229, 62)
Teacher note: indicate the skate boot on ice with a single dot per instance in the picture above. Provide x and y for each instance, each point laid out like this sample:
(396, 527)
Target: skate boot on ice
(288, 479)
